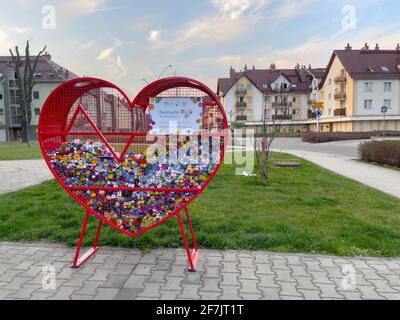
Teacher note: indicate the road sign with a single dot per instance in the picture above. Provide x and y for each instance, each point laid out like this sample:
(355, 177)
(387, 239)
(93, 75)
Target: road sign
(384, 109)
(319, 105)
(318, 113)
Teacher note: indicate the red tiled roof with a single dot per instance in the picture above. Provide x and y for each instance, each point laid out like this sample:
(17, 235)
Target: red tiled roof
(263, 78)
(367, 64)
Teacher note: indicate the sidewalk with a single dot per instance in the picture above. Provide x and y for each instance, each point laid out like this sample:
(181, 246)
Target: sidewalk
(383, 179)
(116, 273)
(19, 174)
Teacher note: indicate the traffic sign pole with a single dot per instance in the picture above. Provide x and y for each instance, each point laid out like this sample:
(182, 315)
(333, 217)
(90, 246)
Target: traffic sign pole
(318, 114)
(384, 125)
(384, 109)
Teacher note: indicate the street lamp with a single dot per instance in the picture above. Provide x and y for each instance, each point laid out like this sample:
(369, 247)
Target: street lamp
(165, 69)
(315, 87)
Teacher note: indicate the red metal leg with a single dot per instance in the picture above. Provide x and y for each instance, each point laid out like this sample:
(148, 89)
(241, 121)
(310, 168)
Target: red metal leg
(194, 255)
(78, 261)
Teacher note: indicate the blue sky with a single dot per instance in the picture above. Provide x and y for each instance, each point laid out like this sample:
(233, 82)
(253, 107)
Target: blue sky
(125, 41)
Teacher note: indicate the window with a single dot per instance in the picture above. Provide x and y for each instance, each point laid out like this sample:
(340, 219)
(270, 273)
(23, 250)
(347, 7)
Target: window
(368, 86)
(1, 112)
(330, 96)
(330, 81)
(329, 111)
(385, 69)
(36, 95)
(1, 95)
(37, 111)
(367, 104)
(387, 103)
(387, 87)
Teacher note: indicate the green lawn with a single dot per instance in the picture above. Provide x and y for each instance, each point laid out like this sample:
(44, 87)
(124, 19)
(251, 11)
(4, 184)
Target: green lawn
(298, 210)
(19, 151)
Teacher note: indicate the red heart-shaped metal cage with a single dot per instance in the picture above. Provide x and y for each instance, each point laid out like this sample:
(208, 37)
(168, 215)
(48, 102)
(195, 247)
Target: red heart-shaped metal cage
(90, 132)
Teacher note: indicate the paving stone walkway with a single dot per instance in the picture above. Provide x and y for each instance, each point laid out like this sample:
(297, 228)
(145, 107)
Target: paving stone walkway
(19, 174)
(116, 273)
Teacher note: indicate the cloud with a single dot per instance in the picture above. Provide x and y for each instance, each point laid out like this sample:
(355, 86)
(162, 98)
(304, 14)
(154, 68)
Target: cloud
(154, 36)
(235, 18)
(22, 30)
(291, 9)
(206, 31)
(81, 8)
(105, 54)
(234, 9)
(5, 42)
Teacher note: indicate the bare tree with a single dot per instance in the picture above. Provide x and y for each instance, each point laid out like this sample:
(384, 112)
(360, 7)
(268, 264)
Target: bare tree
(25, 70)
(269, 130)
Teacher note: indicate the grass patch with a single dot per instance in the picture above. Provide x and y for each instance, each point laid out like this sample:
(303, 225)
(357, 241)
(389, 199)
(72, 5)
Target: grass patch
(19, 151)
(308, 209)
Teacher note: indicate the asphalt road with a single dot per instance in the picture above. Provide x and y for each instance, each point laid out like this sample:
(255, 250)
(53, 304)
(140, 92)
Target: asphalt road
(340, 148)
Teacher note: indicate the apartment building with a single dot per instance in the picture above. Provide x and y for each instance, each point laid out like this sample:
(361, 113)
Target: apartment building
(287, 95)
(48, 76)
(356, 85)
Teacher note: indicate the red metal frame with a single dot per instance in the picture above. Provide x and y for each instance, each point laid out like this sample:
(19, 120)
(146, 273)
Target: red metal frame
(63, 129)
(78, 261)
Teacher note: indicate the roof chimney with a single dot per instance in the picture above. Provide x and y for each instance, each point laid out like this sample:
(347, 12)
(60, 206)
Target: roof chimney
(254, 67)
(377, 47)
(232, 73)
(366, 47)
(272, 66)
(245, 67)
(297, 67)
(47, 55)
(309, 67)
(348, 47)
(398, 47)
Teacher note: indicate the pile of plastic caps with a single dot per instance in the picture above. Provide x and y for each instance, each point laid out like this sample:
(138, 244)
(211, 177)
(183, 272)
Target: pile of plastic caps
(91, 164)
(134, 210)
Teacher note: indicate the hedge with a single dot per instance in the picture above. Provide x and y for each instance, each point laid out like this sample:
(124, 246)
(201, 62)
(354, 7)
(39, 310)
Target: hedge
(381, 152)
(313, 137)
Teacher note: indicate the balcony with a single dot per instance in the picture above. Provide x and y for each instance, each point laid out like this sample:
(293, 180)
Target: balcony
(281, 104)
(282, 117)
(281, 89)
(241, 118)
(340, 79)
(241, 105)
(241, 92)
(311, 115)
(340, 96)
(341, 112)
